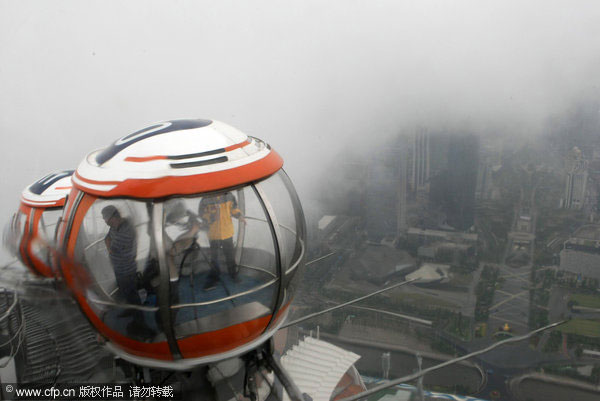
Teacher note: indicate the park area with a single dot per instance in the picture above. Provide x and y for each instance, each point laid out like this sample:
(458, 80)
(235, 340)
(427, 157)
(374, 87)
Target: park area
(582, 327)
(586, 300)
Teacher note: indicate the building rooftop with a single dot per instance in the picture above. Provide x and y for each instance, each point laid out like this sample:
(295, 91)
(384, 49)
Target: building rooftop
(430, 272)
(325, 221)
(317, 367)
(377, 263)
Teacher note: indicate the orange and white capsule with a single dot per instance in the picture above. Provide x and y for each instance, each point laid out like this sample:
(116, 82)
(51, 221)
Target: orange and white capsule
(33, 228)
(182, 243)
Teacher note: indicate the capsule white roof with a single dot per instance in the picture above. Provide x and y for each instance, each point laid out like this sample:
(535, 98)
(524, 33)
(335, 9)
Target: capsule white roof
(176, 157)
(49, 191)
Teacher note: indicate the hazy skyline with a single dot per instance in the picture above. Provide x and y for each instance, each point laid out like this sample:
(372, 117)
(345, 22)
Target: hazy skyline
(306, 76)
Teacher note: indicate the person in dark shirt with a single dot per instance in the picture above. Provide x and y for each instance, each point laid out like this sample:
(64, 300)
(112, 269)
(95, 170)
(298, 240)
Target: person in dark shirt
(121, 243)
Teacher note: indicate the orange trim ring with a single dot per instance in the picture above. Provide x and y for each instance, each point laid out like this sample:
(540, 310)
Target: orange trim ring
(144, 159)
(237, 145)
(219, 341)
(185, 185)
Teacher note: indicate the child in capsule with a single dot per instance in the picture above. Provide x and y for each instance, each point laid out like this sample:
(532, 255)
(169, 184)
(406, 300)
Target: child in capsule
(217, 212)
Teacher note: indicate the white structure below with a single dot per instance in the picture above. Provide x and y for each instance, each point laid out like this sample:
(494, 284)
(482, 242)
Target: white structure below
(317, 367)
(430, 273)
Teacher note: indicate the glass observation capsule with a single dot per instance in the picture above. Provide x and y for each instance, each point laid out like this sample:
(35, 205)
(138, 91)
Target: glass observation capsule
(33, 228)
(182, 243)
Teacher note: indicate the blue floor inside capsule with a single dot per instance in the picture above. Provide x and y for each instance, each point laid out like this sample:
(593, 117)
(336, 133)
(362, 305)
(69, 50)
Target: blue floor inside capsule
(191, 291)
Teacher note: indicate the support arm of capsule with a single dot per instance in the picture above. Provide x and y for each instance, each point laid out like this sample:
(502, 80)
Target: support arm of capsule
(288, 384)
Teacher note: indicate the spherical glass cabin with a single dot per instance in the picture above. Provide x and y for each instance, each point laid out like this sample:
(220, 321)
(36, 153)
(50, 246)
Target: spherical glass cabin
(182, 243)
(33, 228)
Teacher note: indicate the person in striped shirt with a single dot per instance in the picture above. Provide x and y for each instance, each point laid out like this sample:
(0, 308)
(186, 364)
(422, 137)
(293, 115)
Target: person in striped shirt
(121, 243)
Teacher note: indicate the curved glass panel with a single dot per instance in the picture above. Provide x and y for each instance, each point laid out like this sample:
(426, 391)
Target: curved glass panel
(289, 218)
(114, 248)
(49, 222)
(46, 231)
(221, 259)
(282, 197)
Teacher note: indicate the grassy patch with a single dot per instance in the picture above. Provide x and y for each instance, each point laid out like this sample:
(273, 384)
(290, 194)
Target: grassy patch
(587, 300)
(460, 280)
(582, 327)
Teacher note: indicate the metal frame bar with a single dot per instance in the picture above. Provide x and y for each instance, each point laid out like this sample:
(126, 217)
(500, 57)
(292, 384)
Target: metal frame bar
(215, 301)
(69, 226)
(260, 269)
(164, 290)
(265, 221)
(124, 306)
(288, 384)
(298, 260)
(241, 227)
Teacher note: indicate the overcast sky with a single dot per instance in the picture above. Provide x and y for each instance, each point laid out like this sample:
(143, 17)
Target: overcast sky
(306, 76)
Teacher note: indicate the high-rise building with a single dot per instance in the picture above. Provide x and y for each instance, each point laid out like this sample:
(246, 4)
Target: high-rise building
(577, 177)
(420, 162)
(484, 180)
(581, 253)
(402, 224)
(453, 189)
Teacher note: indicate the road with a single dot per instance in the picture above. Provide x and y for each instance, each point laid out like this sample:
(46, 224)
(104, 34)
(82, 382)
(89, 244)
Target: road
(511, 302)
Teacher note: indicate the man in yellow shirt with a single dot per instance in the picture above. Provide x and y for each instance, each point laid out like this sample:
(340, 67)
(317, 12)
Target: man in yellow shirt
(217, 212)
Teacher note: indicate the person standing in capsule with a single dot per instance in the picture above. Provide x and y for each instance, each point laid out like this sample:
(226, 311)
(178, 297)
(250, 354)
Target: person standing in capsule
(217, 212)
(121, 243)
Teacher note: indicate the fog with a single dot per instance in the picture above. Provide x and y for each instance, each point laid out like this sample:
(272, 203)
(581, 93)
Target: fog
(309, 77)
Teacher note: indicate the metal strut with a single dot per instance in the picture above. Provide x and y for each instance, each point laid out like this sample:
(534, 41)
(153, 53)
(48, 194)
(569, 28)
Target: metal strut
(290, 387)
